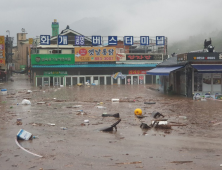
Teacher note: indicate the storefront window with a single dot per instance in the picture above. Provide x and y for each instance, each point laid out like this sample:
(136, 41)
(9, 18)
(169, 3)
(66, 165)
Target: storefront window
(197, 81)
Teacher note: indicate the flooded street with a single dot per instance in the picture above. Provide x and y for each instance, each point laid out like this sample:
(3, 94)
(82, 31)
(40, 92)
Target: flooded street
(197, 145)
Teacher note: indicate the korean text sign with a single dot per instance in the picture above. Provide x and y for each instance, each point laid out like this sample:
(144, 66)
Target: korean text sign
(2, 50)
(95, 54)
(52, 59)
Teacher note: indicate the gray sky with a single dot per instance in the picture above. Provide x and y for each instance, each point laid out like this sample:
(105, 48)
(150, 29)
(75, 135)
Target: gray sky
(175, 19)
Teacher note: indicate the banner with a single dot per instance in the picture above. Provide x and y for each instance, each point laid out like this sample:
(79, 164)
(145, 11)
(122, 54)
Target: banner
(120, 57)
(52, 59)
(95, 54)
(2, 50)
(143, 57)
(118, 75)
(137, 71)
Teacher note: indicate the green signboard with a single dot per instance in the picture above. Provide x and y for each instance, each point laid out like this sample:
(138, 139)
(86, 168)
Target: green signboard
(22, 67)
(52, 59)
(55, 73)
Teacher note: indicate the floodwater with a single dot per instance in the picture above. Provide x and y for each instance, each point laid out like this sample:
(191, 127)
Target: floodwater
(83, 146)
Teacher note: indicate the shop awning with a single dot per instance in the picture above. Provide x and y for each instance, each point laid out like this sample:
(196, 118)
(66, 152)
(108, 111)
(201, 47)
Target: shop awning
(208, 68)
(162, 71)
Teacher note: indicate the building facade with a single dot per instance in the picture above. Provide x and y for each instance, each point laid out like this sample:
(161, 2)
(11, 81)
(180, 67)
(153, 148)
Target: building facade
(74, 63)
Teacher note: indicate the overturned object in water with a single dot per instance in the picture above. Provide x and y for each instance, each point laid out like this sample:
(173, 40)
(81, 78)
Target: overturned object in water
(111, 127)
(157, 115)
(110, 115)
(144, 126)
(149, 102)
(161, 124)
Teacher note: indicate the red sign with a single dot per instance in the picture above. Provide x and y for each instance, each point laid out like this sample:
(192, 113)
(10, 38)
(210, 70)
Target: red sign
(141, 77)
(83, 52)
(138, 71)
(143, 57)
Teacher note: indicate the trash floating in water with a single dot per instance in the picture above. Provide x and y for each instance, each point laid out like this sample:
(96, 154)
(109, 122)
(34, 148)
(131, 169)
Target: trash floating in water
(16, 141)
(138, 111)
(76, 106)
(22, 134)
(29, 91)
(19, 121)
(156, 114)
(86, 121)
(183, 117)
(51, 124)
(26, 102)
(40, 102)
(3, 91)
(111, 127)
(164, 122)
(64, 128)
(115, 100)
(110, 115)
(144, 126)
(125, 163)
(149, 102)
(100, 107)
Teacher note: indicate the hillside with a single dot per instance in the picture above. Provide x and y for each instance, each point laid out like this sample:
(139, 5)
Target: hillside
(196, 43)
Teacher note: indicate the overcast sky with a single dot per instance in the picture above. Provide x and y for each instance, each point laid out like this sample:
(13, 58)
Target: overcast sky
(175, 19)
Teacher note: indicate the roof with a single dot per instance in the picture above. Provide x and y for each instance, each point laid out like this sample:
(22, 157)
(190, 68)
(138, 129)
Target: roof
(172, 61)
(68, 30)
(94, 65)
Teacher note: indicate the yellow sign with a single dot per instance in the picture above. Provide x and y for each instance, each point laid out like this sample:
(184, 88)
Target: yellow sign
(2, 40)
(30, 40)
(95, 54)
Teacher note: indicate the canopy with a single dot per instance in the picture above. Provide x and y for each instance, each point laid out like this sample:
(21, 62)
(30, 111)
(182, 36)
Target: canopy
(208, 68)
(163, 71)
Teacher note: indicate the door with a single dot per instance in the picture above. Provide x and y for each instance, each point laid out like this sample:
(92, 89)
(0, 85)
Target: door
(56, 81)
(135, 79)
(68, 81)
(46, 81)
(101, 79)
(128, 79)
(82, 80)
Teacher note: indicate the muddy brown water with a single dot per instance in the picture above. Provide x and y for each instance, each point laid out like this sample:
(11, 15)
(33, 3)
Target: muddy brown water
(83, 146)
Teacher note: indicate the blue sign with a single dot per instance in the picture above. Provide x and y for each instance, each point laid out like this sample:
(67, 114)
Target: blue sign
(128, 40)
(79, 40)
(44, 39)
(96, 40)
(144, 40)
(160, 40)
(112, 40)
(62, 40)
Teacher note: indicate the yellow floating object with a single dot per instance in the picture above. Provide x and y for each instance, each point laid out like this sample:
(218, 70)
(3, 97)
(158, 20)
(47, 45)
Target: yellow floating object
(138, 111)
(79, 84)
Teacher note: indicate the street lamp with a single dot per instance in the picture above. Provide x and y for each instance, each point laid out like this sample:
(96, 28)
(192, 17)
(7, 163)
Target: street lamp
(8, 32)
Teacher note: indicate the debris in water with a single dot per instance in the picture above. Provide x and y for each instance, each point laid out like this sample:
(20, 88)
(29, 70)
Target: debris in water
(110, 115)
(181, 162)
(156, 115)
(125, 163)
(111, 127)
